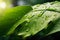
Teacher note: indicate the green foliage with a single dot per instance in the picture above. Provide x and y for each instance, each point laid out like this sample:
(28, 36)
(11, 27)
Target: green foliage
(24, 22)
(39, 18)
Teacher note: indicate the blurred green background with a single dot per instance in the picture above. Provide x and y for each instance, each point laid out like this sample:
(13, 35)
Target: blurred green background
(30, 2)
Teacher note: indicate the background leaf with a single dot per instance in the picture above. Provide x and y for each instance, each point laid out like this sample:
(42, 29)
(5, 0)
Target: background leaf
(10, 17)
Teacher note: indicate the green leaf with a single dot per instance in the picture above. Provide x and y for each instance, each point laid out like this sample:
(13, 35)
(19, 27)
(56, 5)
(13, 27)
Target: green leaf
(10, 17)
(38, 19)
(36, 23)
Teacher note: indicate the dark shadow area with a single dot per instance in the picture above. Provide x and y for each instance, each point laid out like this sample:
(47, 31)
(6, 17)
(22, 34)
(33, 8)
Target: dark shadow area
(55, 36)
